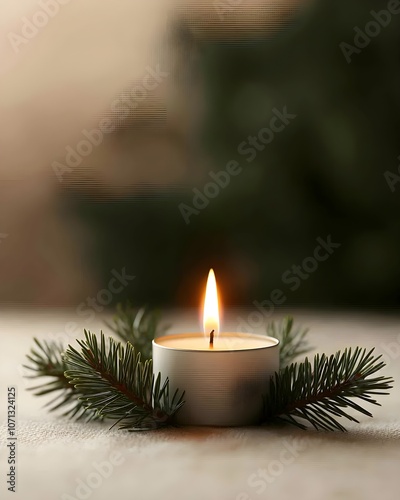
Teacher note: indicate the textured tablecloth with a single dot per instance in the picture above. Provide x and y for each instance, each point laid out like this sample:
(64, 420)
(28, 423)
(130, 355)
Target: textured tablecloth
(61, 459)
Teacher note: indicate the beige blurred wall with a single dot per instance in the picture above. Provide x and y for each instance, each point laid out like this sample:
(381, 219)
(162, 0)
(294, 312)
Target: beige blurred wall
(59, 82)
(66, 80)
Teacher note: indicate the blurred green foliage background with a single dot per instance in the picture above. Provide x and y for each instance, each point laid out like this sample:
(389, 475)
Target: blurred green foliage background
(323, 175)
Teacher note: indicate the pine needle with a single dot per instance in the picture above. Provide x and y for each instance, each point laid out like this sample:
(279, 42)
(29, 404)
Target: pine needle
(106, 379)
(139, 326)
(47, 361)
(317, 393)
(292, 342)
(113, 382)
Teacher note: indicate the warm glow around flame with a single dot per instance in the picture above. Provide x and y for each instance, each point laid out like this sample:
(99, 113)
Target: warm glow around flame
(210, 311)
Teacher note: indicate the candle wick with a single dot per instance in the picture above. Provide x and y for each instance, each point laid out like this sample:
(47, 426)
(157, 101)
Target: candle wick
(212, 338)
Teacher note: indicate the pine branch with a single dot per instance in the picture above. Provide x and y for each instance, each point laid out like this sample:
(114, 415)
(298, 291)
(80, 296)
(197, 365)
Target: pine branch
(317, 392)
(107, 380)
(114, 383)
(138, 326)
(47, 361)
(292, 342)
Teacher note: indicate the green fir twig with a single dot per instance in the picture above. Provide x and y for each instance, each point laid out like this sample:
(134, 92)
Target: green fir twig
(109, 380)
(139, 326)
(116, 384)
(292, 341)
(317, 393)
(47, 361)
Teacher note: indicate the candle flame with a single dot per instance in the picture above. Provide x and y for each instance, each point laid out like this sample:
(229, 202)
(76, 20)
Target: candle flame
(210, 311)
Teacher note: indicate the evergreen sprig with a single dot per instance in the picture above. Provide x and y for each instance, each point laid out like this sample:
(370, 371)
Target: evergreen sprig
(292, 342)
(139, 326)
(114, 383)
(47, 361)
(318, 392)
(108, 379)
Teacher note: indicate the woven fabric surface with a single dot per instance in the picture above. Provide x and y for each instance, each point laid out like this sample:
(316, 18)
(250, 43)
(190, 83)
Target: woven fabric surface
(62, 459)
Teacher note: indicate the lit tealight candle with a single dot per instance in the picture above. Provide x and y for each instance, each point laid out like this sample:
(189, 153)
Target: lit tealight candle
(224, 376)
